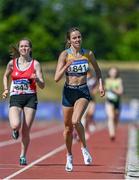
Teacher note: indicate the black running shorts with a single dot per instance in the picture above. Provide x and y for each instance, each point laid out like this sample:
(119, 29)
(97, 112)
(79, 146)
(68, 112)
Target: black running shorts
(72, 93)
(24, 100)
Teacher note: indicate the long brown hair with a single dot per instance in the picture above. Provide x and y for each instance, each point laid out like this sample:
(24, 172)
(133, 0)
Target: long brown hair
(13, 49)
(68, 35)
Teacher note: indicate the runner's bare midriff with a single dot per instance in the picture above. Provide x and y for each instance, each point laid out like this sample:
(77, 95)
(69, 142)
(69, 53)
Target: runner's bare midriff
(74, 80)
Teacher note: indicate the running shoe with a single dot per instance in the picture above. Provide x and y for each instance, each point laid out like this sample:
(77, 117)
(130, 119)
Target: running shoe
(69, 166)
(23, 160)
(15, 134)
(86, 155)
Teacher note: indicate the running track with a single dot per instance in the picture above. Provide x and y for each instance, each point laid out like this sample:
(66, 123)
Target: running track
(46, 154)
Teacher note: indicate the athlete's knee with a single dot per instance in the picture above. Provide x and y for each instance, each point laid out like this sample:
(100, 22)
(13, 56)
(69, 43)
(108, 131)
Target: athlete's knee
(68, 130)
(15, 125)
(76, 123)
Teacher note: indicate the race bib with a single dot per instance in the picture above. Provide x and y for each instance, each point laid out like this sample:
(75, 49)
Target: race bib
(21, 85)
(80, 66)
(111, 96)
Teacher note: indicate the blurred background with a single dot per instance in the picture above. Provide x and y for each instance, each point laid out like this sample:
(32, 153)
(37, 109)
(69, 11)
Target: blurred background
(110, 28)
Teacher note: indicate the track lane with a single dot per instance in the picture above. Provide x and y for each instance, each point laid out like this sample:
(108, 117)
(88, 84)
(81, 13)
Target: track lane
(109, 158)
(9, 153)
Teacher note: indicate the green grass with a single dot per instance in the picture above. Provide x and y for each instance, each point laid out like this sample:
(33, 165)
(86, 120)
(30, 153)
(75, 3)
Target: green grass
(120, 64)
(53, 90)
(106, 64)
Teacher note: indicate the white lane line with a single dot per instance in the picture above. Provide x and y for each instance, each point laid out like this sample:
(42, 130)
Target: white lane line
(34, 135)
(58, 149)
(35, 127)
(132, 162)
(53, 152)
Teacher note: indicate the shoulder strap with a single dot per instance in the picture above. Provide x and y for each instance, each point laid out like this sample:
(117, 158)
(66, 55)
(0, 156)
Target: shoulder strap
(84, 51)
(14, 62)
(69, 51)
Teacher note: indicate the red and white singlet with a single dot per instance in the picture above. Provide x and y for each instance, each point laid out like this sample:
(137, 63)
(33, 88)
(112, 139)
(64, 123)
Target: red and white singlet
(22, 83)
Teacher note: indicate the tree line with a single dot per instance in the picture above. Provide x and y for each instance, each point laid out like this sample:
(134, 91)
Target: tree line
(110, 28)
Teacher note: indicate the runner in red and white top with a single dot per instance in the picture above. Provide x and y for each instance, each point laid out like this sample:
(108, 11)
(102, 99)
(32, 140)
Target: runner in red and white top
(22, 82)
(25, 73)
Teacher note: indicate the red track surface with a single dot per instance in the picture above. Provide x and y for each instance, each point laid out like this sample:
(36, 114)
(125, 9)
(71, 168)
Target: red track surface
(47, 144)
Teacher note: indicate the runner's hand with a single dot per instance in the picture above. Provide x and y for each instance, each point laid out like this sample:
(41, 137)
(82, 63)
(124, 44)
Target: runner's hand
(34, 76)
(101, 91)
(5, 93)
